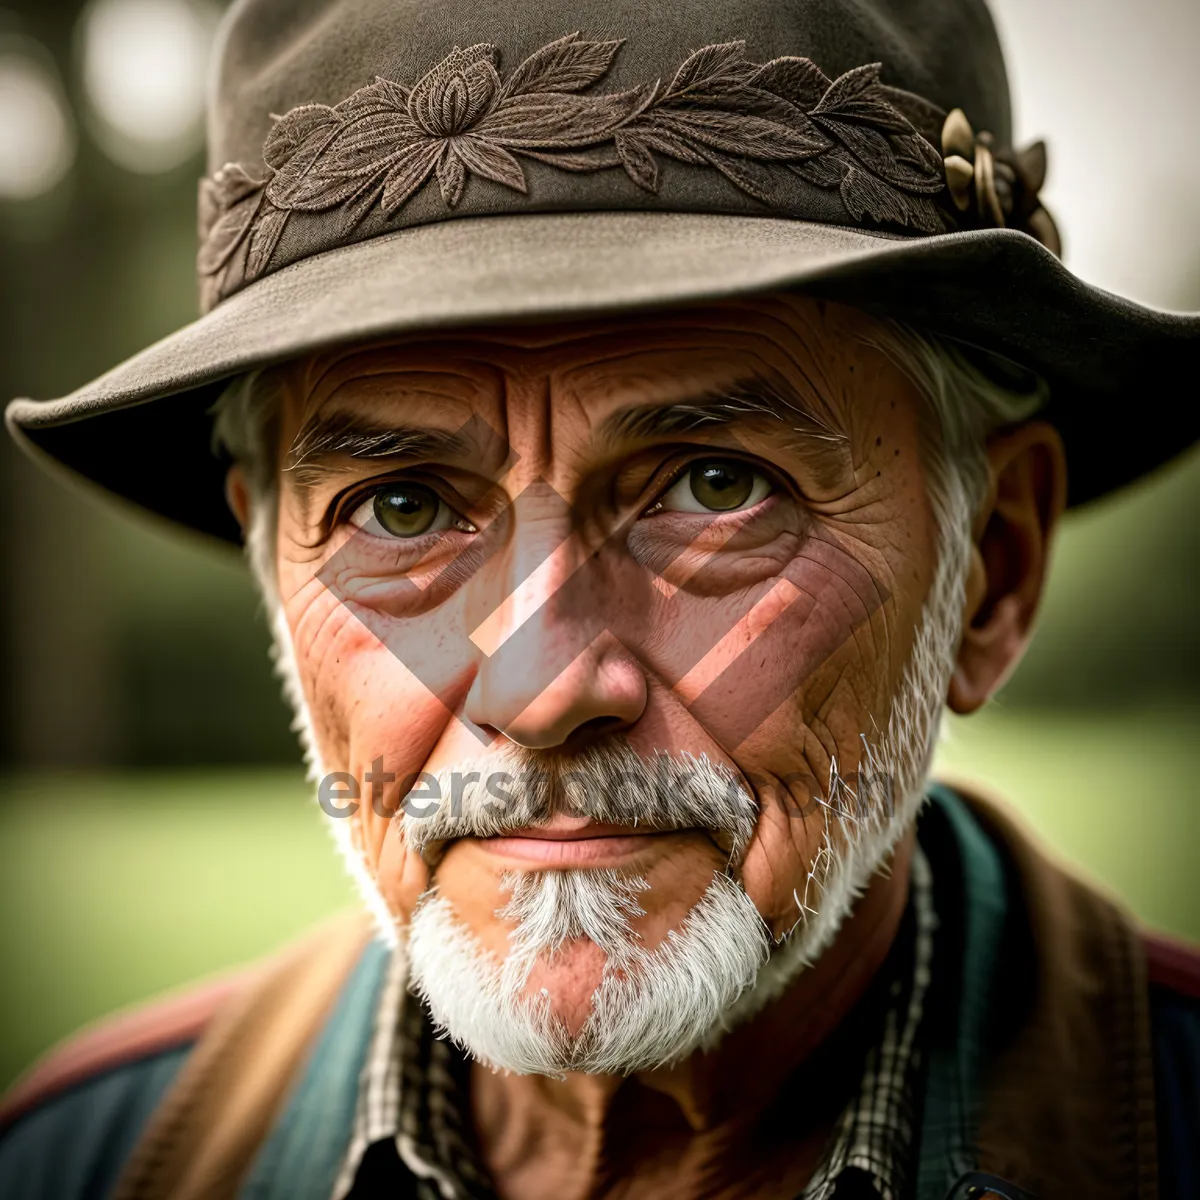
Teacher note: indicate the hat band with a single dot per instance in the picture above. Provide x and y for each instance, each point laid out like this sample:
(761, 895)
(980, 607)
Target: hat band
(761, 126)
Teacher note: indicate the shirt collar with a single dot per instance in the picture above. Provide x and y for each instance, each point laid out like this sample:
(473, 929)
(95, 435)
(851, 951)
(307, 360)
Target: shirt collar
(876, 1133)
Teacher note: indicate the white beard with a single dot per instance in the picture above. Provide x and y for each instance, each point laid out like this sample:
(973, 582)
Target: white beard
(656, 1008)
(719, 968)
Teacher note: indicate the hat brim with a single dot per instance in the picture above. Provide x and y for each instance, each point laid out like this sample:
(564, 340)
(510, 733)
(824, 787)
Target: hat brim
(143, 430)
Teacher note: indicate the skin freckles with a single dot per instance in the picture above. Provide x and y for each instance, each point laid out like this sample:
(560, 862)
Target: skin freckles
(839, 567)
(572, 595)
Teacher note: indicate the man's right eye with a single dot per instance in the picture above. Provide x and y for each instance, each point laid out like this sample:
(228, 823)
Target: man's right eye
(406, 510)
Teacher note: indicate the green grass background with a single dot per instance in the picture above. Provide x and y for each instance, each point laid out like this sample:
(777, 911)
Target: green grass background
(115, 887)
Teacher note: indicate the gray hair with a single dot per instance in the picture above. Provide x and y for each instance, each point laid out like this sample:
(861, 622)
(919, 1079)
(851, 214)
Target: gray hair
(245, 428)
(965, 405)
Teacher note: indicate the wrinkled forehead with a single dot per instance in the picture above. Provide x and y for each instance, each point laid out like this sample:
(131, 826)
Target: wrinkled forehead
(590, 368)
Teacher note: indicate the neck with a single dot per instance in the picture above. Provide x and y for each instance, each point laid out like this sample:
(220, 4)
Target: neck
(706, 1123)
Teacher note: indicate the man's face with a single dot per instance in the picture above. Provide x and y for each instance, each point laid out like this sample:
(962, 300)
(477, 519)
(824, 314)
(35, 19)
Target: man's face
(702, 534)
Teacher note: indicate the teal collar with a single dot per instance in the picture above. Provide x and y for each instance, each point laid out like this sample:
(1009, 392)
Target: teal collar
(956, 1051)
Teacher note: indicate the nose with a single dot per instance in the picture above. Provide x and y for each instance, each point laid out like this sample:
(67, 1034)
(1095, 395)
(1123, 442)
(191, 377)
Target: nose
(551, 674)
(599, 692)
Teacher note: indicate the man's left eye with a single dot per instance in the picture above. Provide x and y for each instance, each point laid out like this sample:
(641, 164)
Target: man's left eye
(405, 510)
(715, 485)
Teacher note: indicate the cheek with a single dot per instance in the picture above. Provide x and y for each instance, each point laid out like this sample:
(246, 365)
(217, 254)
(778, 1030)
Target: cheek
(803, 713)
(372, 718)
(783, 646)
(788, 767)
(776, 868)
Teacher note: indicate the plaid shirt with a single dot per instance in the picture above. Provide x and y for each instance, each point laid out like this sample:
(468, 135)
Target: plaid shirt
(412, 1090)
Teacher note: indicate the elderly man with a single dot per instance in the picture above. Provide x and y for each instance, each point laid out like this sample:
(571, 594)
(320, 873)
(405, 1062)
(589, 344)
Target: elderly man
(638, 442)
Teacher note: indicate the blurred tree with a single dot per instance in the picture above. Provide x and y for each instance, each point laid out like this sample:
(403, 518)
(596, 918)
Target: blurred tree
(1118, 625)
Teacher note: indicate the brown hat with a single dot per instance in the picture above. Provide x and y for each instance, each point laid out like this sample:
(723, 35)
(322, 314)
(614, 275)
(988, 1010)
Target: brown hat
(379, 166)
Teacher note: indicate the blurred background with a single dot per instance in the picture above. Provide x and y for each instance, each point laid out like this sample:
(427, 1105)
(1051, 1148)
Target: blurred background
(154, 823)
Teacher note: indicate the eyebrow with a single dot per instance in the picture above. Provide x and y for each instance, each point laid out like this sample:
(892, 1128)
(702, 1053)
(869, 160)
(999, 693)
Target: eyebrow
(748, 398)
(350, 435)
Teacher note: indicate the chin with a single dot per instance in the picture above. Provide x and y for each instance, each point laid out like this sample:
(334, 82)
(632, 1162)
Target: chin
(568, 979)
(577, 987)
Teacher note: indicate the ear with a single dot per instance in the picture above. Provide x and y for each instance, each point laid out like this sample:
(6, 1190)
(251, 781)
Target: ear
(1027, 493)
(237, 495)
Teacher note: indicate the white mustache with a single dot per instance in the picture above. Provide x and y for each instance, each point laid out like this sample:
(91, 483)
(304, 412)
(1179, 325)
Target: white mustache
(608, 782)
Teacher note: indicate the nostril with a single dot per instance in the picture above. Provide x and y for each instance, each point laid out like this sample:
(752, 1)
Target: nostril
(592, 731)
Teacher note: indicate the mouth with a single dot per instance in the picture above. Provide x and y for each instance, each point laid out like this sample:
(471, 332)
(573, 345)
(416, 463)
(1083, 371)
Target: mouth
(579, 842)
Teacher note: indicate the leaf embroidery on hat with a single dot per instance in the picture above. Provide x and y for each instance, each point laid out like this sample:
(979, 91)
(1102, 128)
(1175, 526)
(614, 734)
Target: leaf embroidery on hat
(755, 123)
